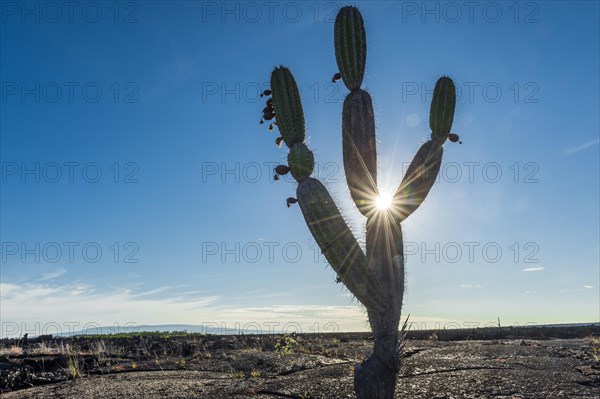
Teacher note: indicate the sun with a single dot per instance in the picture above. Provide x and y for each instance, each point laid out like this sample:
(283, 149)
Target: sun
(383, 201)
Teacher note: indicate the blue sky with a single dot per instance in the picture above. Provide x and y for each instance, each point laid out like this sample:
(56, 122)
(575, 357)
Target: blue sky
(137, 183)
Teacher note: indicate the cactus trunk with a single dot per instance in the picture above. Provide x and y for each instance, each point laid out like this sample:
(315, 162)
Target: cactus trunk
(375, 378)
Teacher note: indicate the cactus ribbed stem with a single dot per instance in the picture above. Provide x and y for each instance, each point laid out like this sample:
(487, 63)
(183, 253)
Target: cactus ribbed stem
(443, 104)
(301, 161)
(336, 241)
(287, 106)
(360, 149)
(350, 46)
(385, 255)
(418, 180)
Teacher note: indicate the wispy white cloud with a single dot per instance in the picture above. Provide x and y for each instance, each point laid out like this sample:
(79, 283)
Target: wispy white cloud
(470, 286)
(533, 269)
(46, 304)
(530, 293)
(194, 292)
(585, 146)
(567, 291)
(583, 288)
(271, 295)
(151, 292)
(54, 274)
(49, 308)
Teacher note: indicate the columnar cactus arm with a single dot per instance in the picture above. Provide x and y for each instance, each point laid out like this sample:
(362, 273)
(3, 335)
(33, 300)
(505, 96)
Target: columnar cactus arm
(337, 243)
(424, 168)
(360, 149)
(287, 106)
(358, 119)
(418, 180)
(443, 105)
(350, 46)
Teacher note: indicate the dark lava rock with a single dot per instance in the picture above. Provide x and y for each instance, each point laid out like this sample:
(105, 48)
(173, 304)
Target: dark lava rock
(322, 367)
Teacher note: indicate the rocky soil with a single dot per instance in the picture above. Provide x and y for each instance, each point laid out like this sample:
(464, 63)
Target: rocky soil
(317, 366)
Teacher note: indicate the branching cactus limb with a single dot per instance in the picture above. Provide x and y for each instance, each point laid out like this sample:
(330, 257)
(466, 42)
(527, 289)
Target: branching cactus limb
(424, 168)
(336, 241)
(418, 180)
(376, 278)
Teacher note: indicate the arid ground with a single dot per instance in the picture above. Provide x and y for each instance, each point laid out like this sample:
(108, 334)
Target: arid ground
(539, 363)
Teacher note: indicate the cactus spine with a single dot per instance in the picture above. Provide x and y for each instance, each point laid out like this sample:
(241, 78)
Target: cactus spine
(376, 278)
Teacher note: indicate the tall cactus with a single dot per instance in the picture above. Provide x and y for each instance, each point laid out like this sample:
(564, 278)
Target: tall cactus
(376, 278)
